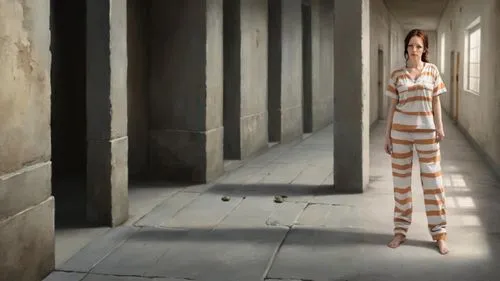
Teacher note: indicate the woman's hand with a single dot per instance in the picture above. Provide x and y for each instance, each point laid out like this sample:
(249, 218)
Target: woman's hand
(388, 145)
(439, 135)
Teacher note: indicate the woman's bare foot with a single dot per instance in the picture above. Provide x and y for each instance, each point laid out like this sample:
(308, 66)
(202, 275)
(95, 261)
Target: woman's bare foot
(443, 248)
(397, 241)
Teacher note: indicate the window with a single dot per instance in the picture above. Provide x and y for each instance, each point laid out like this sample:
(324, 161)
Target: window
(472, 56)
(442, 52)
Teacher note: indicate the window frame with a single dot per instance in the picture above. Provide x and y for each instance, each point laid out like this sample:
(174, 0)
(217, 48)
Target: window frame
(474, 27)
(443, 53)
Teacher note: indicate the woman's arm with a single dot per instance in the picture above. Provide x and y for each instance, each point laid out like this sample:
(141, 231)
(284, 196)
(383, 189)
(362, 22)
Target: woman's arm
(439, 88)
(438, 120)
(392, 92)
(390, 114)
(388, 142)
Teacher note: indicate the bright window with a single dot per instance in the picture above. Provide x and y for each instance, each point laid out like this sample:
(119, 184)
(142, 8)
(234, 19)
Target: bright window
(473, 57)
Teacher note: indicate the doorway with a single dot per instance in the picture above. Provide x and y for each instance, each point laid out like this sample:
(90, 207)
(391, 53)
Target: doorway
(232, 85)
(454, 85)
(138, 48)
(68, 111)
(307, 95)
(382, 110)
(274, 72)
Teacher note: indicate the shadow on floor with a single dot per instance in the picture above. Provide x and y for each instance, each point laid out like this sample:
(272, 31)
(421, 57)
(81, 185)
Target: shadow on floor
(70, 203)
(272, 190)
(322, 236)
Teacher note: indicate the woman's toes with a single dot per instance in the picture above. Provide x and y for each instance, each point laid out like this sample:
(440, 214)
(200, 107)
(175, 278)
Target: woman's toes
(396, 241)
(443, 248)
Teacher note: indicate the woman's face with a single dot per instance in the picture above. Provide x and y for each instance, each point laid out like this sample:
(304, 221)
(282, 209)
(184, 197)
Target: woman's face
(415, 48)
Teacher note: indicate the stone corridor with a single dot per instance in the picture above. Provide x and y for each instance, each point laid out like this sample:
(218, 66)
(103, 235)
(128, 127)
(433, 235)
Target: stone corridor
(190, 233)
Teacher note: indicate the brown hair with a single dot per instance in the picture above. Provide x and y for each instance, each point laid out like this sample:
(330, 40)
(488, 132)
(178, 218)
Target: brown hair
(423, 36)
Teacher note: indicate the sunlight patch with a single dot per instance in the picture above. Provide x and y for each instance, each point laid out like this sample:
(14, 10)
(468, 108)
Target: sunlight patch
(471, 220)
(466, 202)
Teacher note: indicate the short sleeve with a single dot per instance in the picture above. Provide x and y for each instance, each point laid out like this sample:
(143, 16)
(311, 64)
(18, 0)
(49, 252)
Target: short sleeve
(391, 89)
(439, 87)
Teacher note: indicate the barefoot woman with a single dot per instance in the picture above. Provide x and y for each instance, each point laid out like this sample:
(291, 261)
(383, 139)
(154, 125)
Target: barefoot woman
(414, 121)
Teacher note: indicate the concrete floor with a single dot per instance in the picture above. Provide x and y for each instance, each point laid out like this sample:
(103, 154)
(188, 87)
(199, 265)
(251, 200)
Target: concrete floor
(189, 233)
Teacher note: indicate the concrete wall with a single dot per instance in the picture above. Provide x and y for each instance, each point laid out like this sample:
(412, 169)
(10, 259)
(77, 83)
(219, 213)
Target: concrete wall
(397, 48)
(245, 78)
(186, 90)
(380, 21)
(387, 35)
(433, 46)
(478, 114)
(285, 70)
(496, 156)
(318, 64)
(322, 63)
(26, 205)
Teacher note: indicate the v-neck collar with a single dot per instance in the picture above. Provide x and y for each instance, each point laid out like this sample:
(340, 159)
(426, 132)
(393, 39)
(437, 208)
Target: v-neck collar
(417, 77)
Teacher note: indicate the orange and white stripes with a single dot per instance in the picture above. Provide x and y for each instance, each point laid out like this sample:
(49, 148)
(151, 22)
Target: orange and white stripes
(414, 108)
(428, 152)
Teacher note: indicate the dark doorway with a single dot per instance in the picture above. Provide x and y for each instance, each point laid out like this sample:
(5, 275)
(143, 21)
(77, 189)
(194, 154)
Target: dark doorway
(307, 67)
(138, 48)
(68, 110)
(274, 72)
(454, 74)
(380, 85)
(232, 84)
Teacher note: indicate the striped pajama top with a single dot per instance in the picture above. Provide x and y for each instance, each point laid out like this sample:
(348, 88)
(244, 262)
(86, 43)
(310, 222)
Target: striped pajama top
(414, 108)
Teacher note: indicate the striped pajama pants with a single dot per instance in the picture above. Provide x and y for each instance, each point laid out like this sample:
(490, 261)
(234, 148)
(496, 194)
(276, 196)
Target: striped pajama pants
(428, 152)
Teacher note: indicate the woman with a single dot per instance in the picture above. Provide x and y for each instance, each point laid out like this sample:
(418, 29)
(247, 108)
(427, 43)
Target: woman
(414, 120)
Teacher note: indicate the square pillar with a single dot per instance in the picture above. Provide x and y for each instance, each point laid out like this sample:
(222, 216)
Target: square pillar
(245, 78)
(351, 102)
(107, 156)
(186, 87)
(285, 70)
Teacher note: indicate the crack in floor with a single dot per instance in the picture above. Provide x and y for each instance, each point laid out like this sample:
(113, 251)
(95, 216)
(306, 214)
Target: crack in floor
(87, 274)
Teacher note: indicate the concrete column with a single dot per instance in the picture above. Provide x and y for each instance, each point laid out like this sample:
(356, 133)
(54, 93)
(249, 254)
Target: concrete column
(26, 204)
(245, 78)
(186, 87)
(285, 70)
(351, 103)
(107, 172)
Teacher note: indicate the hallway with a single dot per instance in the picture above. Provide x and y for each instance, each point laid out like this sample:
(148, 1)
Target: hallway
(149, 138)
(315, 234)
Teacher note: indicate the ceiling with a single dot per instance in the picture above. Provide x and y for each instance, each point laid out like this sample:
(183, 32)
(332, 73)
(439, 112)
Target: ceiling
(422, 14)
